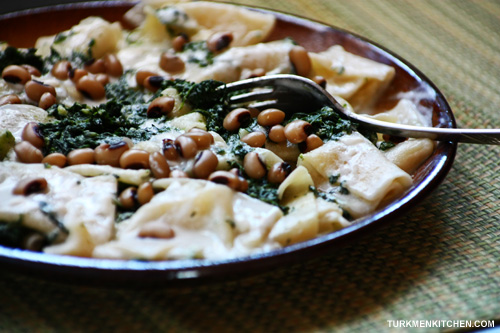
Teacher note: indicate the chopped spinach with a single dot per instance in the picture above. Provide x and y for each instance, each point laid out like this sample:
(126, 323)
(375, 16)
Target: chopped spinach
(326, 123)
(198, 53)
(204, 95)
(238, 147)
(333, 179)
(48, 211)
(62, 36)
(323, 195)
(13, 234)
(386, 145)
(14, 56)
(123, 215)
(81, 126)
(121, 91)
(265, 191)
(77, 59)
(206, 98)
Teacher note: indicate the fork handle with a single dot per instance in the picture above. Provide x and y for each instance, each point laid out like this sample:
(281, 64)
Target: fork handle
(478, 136)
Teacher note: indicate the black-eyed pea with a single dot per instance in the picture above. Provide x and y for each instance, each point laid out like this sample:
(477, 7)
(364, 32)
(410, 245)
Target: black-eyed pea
(156, 229)
(170, 150)
(35, 89)
(16, 74)
(128, 198)
(254, 112)
(171, 63)
(159, 165)
(202, 138)
(141, 75)
(278, 172)
(297, 131)
(270, 117)
(27, 153)
(205, 163)
(253, 166)
(225, 178)
(109, 154)
(219, 41)
(134, 159)
(56, 159)
(145, 193)
(31, 133)
(312, 142)
(243, 185)
(61, 69)
(95, 66)
(47, 100)
(32, 70)
(91, 88)
(81, 156)
(30, 185)
(102, 78)
(10, 99)
(153, 83)
(179, 41)
(277, 134)
(112, 65)
(300, 60)
(176, 173)
(236, 118)
(254, 139)
(236, 172)
(76, 74)
(160, 106)
(186, 146)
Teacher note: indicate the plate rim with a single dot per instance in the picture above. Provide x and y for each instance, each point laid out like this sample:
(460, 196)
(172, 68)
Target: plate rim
(104, 271)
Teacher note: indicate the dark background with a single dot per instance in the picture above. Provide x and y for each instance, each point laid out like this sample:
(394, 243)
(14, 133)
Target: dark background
(8, 6)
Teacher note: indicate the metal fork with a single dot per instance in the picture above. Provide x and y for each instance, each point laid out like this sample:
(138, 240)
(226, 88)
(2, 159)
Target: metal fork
(296, 93)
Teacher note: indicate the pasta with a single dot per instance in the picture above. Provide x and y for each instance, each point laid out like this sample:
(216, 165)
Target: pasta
(121, 144)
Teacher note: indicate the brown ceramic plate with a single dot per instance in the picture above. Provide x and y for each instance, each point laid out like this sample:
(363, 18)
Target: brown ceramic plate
(23, 28)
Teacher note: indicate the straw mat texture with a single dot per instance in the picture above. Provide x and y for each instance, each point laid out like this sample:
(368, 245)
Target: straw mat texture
(440, 262)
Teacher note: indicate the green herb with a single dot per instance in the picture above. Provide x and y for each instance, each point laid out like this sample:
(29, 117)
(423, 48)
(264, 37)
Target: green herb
(326, 123)
(333, 179)
(81, 126)
(14, 56)
(173, 18)
(342, 189)
(323, 195)
(61, 37)
(369, 134)
(238, 147)
(77, 59)
(231, 223)
(121, 91)
(263, 190)
(198, 53)
(208, 99)
(12, 233)
(386, 145)
(123, 215)
(48, 211)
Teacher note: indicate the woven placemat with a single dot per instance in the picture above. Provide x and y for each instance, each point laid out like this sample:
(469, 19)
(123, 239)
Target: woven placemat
(440, 262)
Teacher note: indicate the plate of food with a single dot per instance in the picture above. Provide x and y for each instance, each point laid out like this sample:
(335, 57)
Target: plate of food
(122, 159)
